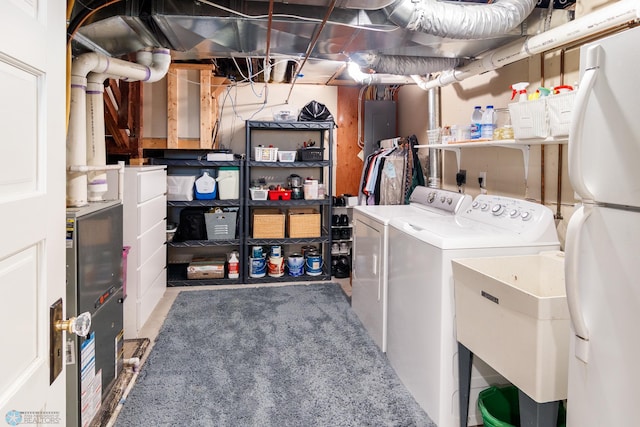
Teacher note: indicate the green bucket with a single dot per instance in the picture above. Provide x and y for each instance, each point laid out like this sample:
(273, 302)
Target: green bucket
(499, 407)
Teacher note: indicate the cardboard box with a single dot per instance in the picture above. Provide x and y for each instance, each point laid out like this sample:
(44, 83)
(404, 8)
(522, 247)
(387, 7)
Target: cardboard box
(206, 268)
(303, 222)
(268, 223)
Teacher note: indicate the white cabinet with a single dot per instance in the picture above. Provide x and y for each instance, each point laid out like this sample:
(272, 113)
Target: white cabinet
(369, 277)
(145, 213)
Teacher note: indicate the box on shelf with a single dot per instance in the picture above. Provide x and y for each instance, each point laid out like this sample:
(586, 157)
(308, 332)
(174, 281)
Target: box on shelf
(220, 225)
(206, 268)
(180, 187)
(265, 154)
(268, 223)
(303, 222)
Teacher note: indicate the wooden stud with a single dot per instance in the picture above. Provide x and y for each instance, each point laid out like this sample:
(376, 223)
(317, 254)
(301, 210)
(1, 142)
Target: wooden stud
(206, 107)
(172, 107)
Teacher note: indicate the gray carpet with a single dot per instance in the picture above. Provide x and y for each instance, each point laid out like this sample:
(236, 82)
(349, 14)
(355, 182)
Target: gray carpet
(295, 355)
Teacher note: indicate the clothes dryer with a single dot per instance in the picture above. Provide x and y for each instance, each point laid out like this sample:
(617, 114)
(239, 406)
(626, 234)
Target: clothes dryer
(421, 341)
(369, 282)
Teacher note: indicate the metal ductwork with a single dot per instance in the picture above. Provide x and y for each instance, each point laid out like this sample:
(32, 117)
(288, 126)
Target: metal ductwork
(391, 37)
(460, 20)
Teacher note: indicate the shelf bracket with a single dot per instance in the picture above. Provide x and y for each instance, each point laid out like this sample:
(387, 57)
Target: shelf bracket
(457, 152)
(526, 150)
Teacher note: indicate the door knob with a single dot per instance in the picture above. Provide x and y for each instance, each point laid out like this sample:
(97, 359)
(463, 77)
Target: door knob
(75, 325)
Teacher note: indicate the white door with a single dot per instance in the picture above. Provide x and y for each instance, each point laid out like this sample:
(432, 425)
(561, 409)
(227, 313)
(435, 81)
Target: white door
(32, 206)
(604, 142)
(604, 371)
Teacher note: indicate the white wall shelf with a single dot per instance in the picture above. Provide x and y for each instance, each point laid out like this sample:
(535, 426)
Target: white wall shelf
(523, 145)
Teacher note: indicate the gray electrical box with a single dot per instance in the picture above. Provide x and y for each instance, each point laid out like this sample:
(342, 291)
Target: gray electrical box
(379, 123)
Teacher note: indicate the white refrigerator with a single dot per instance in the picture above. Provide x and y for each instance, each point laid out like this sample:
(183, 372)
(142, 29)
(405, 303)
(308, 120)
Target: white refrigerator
(602, 262)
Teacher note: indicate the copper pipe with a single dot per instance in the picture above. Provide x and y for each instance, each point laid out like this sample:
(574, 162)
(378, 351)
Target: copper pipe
(311, 46)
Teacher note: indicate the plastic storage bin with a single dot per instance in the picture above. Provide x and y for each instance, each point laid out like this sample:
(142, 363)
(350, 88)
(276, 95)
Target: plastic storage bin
(311, 154)
(258, 193)
(499, 407)
(287, 156)
(228, 182)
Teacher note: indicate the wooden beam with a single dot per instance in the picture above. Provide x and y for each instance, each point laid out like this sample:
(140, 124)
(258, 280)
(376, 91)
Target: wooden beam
(172, 107)
(162, 143)
(206, 107)
(187, 66)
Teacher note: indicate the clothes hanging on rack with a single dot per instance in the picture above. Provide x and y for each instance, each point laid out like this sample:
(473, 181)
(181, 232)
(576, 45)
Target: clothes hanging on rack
(390, 174)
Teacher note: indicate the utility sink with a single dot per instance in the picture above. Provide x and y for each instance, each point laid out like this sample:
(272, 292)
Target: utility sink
(511, 311)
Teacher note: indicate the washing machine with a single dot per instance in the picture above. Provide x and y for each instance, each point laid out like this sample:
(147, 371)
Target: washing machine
(369, 274)
(421, 341)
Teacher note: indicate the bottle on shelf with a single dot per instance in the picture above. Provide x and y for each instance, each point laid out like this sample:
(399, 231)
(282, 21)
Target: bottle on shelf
(234, 265)
(476, 122)
(488, 123)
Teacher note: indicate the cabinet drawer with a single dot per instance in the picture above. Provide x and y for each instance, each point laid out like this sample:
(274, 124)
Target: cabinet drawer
(151, 240)
(150, 300)
(151, 212)
(151, 184)
(148, 272)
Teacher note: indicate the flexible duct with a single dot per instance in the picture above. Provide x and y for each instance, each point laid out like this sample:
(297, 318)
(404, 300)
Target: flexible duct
(151, 67)
(604, 19)
(404, 65)
(460, 21)
(445, 19)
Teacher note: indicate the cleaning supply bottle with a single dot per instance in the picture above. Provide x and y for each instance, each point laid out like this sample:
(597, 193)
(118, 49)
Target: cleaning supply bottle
(519, 89)
(476, 122)
(488, 123)
(233, 265)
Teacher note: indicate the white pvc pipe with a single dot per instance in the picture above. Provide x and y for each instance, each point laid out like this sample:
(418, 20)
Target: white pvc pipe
(151, 67)
(96, 144)
(77, 142)
(606, 18)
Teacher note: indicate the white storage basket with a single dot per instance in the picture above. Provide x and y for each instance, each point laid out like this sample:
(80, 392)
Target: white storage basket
(559, 108)
(265, 154)
(287, 156)
(258, 193)
(529, 119)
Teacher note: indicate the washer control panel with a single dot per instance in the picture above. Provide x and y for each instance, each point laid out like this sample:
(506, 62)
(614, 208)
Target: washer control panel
(508, 213)
(440, 200)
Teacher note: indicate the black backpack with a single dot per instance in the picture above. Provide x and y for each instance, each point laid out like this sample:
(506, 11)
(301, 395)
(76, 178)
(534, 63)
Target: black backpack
(191, 226)
(315, 112)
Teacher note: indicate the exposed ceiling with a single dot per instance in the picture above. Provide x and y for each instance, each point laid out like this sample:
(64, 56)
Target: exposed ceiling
(237, 35)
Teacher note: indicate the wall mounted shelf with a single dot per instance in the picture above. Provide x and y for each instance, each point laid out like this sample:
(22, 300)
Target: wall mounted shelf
(523, 145)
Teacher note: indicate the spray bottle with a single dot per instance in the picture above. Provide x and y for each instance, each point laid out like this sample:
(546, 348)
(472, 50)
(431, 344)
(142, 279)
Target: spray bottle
(519, 89)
